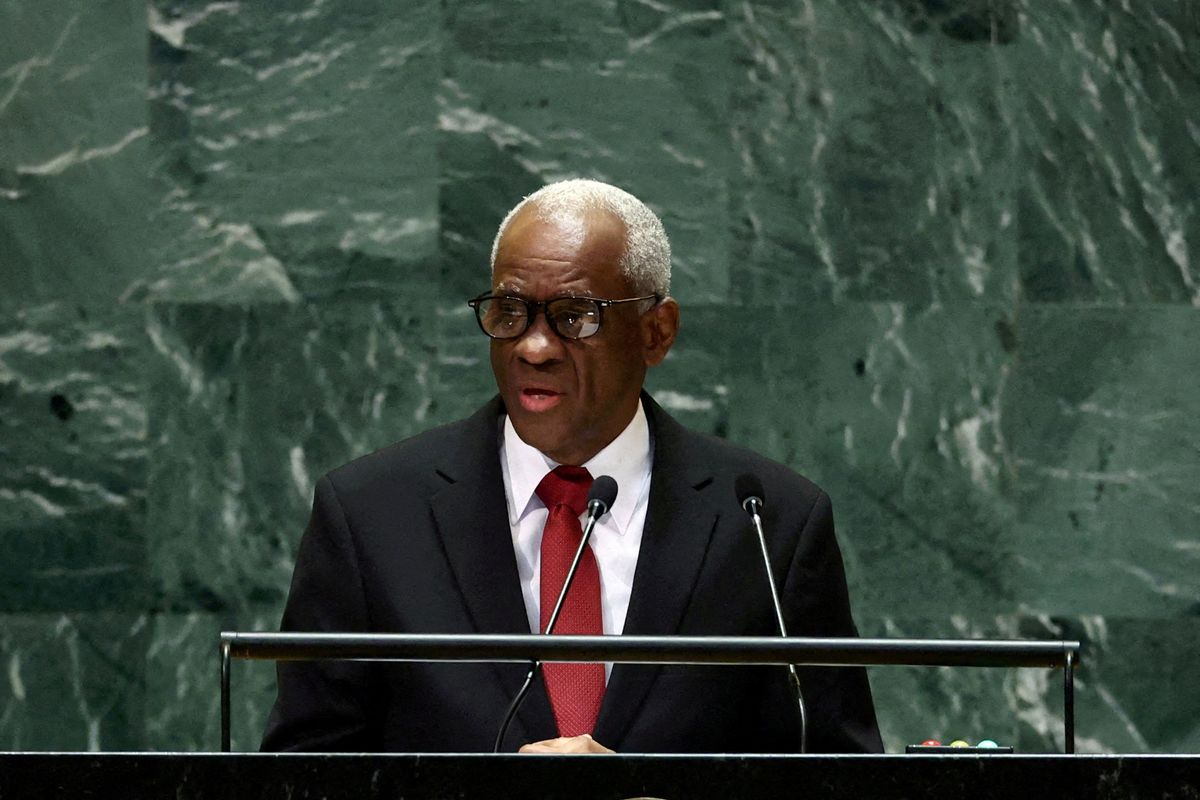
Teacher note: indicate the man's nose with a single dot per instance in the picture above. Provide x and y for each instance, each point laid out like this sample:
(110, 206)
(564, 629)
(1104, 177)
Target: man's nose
(540, 344)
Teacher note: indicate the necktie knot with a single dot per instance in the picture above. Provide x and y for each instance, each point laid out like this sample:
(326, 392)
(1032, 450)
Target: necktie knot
(566, 486)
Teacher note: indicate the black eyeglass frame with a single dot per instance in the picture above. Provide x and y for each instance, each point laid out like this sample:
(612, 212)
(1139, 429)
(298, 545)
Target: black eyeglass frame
(532, 307)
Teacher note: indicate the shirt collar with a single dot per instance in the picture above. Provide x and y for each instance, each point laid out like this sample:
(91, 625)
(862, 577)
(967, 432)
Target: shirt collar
(626, 458)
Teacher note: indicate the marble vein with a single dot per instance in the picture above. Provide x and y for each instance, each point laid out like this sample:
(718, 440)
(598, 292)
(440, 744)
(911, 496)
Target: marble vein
(672, 23)
(174, 31)
(14, 677)
(22, 70)
(74, 157)
(1119, 710)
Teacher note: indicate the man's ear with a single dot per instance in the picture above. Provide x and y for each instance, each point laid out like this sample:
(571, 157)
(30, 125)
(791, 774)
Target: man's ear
(659, 327)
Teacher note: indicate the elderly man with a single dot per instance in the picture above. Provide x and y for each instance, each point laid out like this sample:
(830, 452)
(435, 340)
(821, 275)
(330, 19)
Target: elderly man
(469, 528)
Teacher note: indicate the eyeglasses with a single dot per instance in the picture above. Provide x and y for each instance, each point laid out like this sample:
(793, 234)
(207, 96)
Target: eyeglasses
(505, 317)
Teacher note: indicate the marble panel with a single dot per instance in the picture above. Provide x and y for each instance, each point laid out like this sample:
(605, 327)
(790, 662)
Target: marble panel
(464, 372)
(74, 681)
(631, 93)
(896, 414)
(1134, 686)
(183, 690)
(692, 383)
(250, 407)
(296, 149)
(74, 192)
(874, 160)
(72, 459)
(1106, 107)
(1100, 420)
(948, 703)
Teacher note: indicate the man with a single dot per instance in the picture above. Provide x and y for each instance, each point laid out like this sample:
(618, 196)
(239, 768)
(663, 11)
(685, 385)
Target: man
(468, 528)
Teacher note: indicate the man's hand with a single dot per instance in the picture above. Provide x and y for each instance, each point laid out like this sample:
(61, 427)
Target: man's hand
(564, 745)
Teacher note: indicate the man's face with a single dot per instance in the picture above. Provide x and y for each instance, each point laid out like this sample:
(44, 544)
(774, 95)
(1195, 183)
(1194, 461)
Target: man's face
(571, 397)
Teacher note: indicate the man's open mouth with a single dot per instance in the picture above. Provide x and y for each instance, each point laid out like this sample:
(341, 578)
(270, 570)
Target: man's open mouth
(537, 398)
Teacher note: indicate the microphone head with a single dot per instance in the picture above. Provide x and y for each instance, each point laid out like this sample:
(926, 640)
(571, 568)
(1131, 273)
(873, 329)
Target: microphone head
(748, 487)
(604, 492)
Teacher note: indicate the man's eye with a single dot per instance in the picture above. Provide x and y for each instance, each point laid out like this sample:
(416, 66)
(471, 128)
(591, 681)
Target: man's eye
(504, 315)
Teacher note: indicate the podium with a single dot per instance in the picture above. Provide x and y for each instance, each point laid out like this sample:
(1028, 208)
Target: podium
(231, 777)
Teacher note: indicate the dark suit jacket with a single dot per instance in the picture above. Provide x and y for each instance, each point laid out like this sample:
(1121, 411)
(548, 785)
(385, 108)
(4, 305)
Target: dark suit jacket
(415, 539)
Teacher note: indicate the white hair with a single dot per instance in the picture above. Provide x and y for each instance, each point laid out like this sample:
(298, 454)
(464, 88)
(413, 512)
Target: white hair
(646, 262)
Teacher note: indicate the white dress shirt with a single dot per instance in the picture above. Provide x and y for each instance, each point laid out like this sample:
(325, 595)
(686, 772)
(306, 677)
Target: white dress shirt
(617, 536)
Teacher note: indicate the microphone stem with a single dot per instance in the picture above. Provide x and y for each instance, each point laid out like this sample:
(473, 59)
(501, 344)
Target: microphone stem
(762, 543)
(596, 509)
(793, 677)
(534, 666)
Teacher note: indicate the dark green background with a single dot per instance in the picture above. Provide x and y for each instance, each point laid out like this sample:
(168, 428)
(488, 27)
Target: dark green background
(941, 256)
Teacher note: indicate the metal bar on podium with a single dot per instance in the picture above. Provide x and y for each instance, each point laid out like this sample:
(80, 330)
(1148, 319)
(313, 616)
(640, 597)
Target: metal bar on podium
(1069, 703)
(225, 657)
(727, 650)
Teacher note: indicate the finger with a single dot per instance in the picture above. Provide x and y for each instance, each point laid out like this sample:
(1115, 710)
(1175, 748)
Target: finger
(546, 743)
(573, 745)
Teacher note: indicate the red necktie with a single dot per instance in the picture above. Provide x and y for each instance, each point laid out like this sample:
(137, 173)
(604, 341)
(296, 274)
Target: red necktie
(575, 689)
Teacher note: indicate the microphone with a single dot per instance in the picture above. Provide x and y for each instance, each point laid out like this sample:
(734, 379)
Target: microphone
(599, 500)
(750, 496)
(749, 492)
(602, 495)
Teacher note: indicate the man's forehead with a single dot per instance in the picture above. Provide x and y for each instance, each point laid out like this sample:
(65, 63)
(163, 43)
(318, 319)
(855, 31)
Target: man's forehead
(542, 276)
(574, 251)
(562, 230)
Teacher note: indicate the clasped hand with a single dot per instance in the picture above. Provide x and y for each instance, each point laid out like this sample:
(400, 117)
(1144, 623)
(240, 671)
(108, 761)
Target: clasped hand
(566, 745)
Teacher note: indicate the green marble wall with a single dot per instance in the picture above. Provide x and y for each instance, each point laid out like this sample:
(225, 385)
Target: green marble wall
(940, 255)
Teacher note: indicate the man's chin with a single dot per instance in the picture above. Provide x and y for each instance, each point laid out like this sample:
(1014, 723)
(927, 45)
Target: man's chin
(539, 437)
(536, 429)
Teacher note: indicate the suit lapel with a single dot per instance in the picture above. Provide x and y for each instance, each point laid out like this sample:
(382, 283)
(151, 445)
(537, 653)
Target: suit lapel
(472, 520)
(679, 523)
